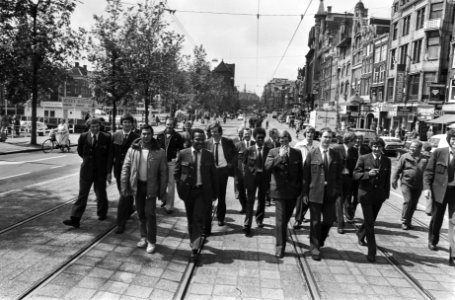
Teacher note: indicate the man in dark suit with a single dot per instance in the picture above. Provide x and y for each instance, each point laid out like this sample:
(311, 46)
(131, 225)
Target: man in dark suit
(171, 142)
(121, 142)
(321, 188)
(195, 176)
(349, 158)
(93, 147)
(439, 185)
(373, 172)
(225, 157)
(256, 178)
(240, 147)
(285, 165)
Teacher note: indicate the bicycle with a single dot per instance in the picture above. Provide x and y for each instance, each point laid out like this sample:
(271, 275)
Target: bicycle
(51, 144)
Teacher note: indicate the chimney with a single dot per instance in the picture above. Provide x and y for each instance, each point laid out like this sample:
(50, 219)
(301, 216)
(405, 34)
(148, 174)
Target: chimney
(77, 64)
(329, 9)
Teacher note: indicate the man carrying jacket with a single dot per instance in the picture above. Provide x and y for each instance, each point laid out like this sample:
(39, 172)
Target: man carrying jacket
(145, 176)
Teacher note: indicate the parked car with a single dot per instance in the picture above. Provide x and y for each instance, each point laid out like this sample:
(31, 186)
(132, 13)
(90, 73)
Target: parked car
(368, 134)
(41, 128)
(438, 141)
(393, 145)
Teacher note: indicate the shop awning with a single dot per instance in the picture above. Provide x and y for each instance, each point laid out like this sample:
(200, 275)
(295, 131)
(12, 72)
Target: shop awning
(444, 119)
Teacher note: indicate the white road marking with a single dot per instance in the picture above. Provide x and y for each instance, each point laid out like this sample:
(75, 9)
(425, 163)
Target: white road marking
(37, 184)
(7, 177)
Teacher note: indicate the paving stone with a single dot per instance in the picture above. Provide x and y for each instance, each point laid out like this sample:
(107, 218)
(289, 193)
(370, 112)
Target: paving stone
(138, 291)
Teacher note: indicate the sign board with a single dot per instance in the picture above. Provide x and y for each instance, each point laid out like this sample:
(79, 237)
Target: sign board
(76, 102)
(320, 119)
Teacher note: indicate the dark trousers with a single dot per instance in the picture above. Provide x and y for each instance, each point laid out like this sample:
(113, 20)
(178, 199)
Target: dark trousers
(353, 201)
(370, 208)
(343, 200)
(319, 230)
(411, 198)
(437, 216)
(260, 185)
(284, 209)
(196, 214)
(125, 206)
(241, 191)
(222, 177)
(85, 184)
(146, 212)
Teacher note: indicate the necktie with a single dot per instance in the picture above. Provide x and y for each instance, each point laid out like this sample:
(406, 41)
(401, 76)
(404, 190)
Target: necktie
(260, 159)
(216, 154)
(452, 168)
(326, 162)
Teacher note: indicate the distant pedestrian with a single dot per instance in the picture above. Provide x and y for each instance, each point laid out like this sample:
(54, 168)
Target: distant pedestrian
(321, 188)
(121, 142)
(93, 147)
(145, 176)
(410, 170)
(285, 165)
(439, 185)
(373, 172)
(195, 177)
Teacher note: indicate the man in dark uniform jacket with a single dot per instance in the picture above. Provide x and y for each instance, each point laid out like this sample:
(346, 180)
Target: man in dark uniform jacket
(197, 187)
(349, 156)
(373, 172)
(256, 178)
(93, 147)
(285, 165)
(121, 142)
(225, 157)
(439, 185)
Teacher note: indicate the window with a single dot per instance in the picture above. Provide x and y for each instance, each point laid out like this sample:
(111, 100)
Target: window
(433, 45)
(414, 81)
(390, 87)
(403, 54)
(436, 10)
(417, 49)
(392, 59)
(406, 22)
(394, 30)
(428, 78)
(420, 18)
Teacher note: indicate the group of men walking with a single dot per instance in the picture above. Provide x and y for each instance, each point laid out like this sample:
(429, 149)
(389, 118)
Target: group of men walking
(327, 181)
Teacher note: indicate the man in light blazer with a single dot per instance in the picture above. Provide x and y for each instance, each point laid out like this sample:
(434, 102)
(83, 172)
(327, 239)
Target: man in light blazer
(321, 188)
(439, 185)
(373, 172)
(197, 186)
(285, 165)
(256, 179)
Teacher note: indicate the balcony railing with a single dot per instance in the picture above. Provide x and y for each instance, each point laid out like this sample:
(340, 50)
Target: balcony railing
(434, 24)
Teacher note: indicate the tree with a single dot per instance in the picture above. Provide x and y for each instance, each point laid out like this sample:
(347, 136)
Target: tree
(36, 43)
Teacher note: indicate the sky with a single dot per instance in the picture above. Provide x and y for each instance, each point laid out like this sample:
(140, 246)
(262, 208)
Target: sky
(255, 46)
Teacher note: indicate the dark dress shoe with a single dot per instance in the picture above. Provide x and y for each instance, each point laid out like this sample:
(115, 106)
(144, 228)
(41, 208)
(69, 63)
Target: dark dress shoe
(120, 229)
(432, 247)
(371, 258)
(316, 257)
(297, 225)
(72, 222)
(340, 230)
(102, 217)
(220, 223)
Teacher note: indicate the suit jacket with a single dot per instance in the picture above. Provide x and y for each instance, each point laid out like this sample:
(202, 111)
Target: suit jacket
(118, 150)
(250, 165)
(348, 159)
(379, 185)
(436, 175)
(174, 146)
(241, 148)
(94, 159)
(185, 170)
(286, 177)
(316, 182)
(230, 152)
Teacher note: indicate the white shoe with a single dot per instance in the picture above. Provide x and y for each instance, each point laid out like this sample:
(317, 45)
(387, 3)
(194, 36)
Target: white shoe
(142, 243)
(150, 248)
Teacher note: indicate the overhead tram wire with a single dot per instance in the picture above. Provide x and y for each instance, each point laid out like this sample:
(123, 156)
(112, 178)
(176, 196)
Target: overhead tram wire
(292, 38)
